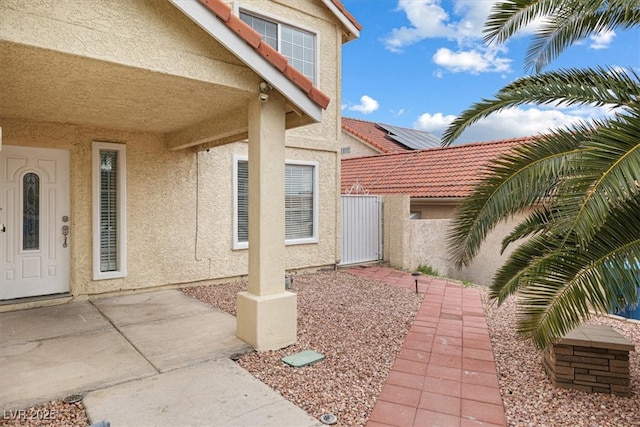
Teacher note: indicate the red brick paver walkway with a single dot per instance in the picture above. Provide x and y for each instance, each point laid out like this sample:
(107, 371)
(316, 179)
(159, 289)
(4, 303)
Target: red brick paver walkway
(445, 374)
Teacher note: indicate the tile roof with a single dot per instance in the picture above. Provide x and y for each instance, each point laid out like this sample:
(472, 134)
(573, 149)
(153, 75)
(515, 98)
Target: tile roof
(275, 58)
(449, 172)
(346, 13)
(373, 135)
(411, 138)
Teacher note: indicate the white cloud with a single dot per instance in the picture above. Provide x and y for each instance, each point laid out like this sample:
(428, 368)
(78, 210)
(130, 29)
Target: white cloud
(602, 40)
(473, 61)
(367, 105)
(434, 123)
(474, 14)
(429, 20)
(511, 123)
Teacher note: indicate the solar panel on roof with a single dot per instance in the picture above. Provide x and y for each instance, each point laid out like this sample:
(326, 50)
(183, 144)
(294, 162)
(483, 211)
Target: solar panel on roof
(412, 138)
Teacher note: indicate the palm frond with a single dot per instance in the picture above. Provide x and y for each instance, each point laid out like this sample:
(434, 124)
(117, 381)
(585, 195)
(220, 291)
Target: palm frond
(609, 174)
(536, 222)
(563, 23)
(526, 259)
(513, 182)
(575, 22)
(566, 284)
(506, 18)
(593, 87)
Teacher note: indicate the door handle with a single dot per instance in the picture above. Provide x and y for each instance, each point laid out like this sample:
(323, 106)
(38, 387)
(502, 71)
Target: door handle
(3, 228)
(65, 233)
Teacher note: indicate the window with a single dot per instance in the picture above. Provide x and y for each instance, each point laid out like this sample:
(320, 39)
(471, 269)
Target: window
(297, 45)
(30, 212)
(109, 210)
(301, 205)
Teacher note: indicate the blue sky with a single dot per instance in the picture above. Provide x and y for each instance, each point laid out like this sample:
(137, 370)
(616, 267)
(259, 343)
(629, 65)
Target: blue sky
(419, 63)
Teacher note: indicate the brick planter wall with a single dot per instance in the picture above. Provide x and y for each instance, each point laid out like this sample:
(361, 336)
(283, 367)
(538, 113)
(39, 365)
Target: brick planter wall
(591, 358)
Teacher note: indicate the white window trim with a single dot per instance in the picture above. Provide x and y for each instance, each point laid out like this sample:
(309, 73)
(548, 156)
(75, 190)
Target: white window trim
(122, 210)
(237, 7)
(307, 240)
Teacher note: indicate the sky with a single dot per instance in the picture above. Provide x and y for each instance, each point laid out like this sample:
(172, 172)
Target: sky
(420, 63)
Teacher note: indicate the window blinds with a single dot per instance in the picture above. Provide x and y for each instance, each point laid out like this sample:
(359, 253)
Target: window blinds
(108, 211)
(299, 201)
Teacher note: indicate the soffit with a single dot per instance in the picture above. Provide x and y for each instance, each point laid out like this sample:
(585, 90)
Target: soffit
(45, 85)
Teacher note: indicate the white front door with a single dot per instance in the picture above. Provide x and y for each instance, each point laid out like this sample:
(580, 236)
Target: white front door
(34, 222)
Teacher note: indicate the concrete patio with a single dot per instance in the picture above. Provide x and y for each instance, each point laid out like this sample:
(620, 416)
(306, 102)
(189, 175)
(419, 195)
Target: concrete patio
(148, 359)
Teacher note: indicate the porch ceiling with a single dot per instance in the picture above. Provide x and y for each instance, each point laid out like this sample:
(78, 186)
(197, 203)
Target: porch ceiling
(44, 85)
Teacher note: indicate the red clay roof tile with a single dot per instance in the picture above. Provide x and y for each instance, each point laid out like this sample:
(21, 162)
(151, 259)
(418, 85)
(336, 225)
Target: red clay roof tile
(248, 34)
(450, 172)
(372, 134)
(346, 13)
(222, 10)
(273, 56)
(251, 36)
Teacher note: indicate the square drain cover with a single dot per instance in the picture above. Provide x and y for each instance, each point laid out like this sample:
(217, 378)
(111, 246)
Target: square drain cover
(303, 358)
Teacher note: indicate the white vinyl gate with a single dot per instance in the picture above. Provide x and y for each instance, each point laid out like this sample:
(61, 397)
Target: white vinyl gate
(361, 228)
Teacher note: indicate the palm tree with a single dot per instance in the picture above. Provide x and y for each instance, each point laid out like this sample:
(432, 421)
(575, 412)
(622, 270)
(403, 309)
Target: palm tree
(578, 187)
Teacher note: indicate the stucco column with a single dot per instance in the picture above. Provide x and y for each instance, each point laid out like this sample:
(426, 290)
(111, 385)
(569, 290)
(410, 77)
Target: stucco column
(266, 313)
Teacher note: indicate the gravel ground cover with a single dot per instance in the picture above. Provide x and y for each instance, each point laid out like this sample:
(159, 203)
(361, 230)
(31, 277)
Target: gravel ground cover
(359, 325)
(531, 400)
(50, 414)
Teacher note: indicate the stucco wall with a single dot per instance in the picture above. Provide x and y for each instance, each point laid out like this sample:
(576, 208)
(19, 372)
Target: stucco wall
(397, 237)
(215, 207)
(179, 203)
(488, 260)
(179, 207)
(126, 32)
(428, 246)
(433, 210)
(356, 147)
(409, 243)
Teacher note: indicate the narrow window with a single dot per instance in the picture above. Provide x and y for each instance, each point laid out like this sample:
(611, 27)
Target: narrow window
(31, 212)
(108, 210)
(301, 208)
(243, 201)
(298, 46)
(109, 216)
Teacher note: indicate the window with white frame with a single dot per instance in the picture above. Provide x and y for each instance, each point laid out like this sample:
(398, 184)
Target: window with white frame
(297, 45)
(109, 210)
(301, 205)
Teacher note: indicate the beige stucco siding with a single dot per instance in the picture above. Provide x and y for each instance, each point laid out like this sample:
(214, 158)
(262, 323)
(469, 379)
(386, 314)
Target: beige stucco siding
(179, 207)
(160, 205)
(135, 73)
(150, 34)
(411, 242)
(433, 210)
(216, 211)
(356, 147)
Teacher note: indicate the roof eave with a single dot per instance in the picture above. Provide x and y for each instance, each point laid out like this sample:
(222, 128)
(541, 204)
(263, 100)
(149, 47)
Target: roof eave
(443, 200)
(217, 29)
(353, 31)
